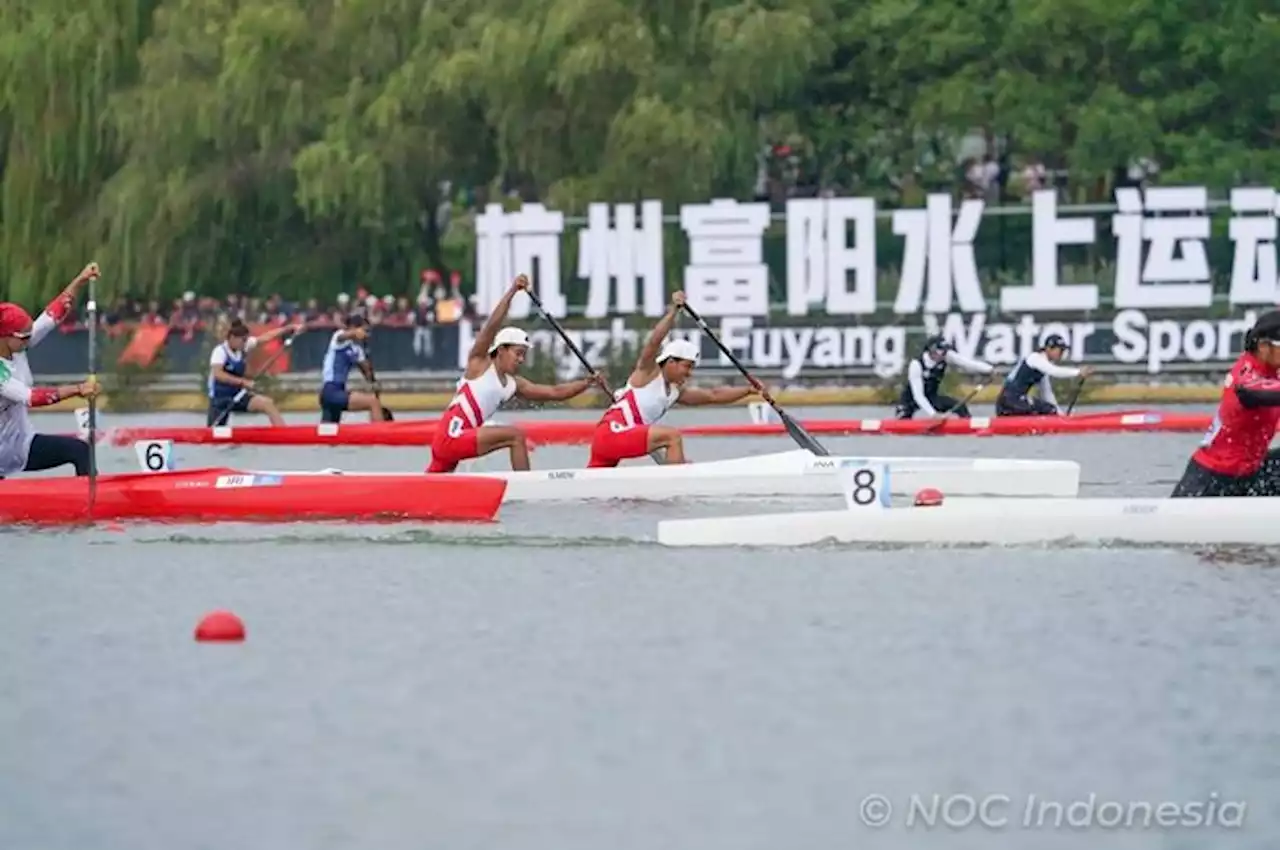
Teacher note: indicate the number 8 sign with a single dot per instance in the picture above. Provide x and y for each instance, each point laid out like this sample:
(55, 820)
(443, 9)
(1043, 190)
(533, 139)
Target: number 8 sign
(865, 486)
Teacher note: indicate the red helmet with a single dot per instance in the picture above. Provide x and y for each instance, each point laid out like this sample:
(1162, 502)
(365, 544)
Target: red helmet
(14, 320)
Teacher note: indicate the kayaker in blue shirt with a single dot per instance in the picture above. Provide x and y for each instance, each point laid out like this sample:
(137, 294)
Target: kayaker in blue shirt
(228, 363)
(347, 349)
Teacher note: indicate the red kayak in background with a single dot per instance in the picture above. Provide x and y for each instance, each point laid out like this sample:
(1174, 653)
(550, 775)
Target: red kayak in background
(420, 432)
(227, 495)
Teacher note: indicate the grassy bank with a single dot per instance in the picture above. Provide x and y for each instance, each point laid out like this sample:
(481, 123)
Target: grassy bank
(1138, 394)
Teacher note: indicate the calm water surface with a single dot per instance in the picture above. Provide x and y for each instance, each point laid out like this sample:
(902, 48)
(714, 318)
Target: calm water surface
(558, 682)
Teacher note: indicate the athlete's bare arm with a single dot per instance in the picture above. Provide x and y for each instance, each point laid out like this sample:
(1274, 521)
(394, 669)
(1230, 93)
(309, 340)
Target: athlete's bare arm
(478, 357)
(530, 391)
(277, 333)
(695, 396)
(647, 363)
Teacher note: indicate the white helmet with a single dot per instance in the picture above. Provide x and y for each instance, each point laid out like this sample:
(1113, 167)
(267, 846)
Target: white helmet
(680, 349)
(509, 336)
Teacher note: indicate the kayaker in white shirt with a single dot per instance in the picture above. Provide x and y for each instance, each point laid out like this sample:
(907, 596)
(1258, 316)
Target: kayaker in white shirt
(922, 391)
(1032, 372)
(21, 448)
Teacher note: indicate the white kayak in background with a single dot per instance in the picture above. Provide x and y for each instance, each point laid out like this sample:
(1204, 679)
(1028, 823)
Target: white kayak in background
(998, 522)
(793, 473)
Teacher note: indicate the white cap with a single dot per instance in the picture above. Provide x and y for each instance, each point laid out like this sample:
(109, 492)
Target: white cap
(509, 336)
(680, 349)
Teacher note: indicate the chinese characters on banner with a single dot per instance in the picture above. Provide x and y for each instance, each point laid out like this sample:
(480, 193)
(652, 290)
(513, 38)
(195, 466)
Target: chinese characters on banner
(832, 269)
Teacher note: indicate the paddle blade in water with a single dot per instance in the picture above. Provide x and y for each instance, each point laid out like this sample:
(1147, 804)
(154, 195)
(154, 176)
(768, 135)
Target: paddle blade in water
(802, 437)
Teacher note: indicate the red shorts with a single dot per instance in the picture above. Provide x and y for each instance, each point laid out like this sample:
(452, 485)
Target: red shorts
(447, 452)
(608, 446)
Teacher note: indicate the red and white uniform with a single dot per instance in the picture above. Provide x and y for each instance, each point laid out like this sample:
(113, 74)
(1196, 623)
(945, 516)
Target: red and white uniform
(17, 390)
(623, 431)
(1236, 443)
(459, 430)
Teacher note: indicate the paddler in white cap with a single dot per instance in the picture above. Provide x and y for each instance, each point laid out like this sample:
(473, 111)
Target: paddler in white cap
(489, 381)
(662, 371)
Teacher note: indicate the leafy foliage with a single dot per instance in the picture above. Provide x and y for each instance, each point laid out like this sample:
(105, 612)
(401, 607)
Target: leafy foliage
(296, 145)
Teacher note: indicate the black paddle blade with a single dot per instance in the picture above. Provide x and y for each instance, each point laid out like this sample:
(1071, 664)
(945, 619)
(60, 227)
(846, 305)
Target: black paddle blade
(802, 437)
(387, 415)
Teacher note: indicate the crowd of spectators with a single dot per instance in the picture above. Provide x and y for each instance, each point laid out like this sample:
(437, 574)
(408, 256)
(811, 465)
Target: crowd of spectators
(434, 303)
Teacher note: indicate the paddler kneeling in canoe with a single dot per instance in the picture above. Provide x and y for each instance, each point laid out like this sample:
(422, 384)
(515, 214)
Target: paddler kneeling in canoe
(628, 428)
(1035, 370)
(347, 351)
(490, 380)
(1235, 456)
(229, 390)
(923, 389)
(21, 448)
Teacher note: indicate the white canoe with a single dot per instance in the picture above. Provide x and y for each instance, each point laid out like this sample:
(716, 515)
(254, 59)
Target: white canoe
(1000, 522)
(793, 473)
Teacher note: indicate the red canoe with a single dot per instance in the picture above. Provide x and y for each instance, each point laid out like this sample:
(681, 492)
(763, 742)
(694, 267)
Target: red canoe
(226, 495)
(419, 432)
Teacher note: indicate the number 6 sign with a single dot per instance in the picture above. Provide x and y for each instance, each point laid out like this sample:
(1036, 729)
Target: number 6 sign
(154, 455)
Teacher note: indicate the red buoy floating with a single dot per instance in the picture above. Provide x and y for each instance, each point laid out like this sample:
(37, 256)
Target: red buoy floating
(928, 498)
(220, 626)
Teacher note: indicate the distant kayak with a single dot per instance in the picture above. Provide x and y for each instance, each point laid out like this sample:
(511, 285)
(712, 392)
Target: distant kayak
(420, 432)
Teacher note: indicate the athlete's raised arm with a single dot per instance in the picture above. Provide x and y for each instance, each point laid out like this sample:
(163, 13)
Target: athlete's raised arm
(647, 362)
(478, 357)
(61, 305)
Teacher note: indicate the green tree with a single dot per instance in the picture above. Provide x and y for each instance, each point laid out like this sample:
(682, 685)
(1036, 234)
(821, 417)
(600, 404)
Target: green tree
(60, 61)
(304, 145)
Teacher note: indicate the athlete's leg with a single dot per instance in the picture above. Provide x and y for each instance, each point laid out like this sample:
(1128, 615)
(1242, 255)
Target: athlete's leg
(50, 451)
(495, 437)
(365, 401)
(1008, 404)
(262, 404)
(1266, 482)
(947, 404)
(609, 446)
(1040, 407)
(333, 403)
(666, 437)
(1200, 483)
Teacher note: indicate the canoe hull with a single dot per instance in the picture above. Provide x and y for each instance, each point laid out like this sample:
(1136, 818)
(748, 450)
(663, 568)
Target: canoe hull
(228, 495)
(999, 522)
(796, 473)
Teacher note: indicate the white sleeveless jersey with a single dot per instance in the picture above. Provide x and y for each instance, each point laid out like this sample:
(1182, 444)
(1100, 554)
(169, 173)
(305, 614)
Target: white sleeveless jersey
(16, 382)
(643, 405)
(480, 398)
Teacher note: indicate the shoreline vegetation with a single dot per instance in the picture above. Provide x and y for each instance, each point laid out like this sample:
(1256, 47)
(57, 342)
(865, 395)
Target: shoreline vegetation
(303, 147)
